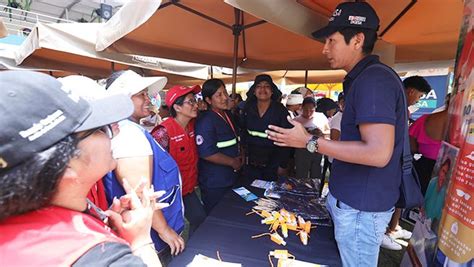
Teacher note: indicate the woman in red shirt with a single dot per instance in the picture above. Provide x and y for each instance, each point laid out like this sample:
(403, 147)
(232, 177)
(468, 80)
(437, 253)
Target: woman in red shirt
(176, 135)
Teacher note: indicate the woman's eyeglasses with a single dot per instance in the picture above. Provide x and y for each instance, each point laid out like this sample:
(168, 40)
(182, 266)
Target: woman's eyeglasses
(106, 129)
(191, 101)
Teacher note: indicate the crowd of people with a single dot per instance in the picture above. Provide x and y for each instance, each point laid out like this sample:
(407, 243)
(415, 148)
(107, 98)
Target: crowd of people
(84, 157)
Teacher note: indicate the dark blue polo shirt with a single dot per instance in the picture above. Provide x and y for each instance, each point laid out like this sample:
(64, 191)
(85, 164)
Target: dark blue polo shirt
(373, 96)
(212, 130)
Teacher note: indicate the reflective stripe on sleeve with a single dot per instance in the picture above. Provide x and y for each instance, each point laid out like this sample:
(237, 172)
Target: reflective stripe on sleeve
(227, 143)
(257, 134)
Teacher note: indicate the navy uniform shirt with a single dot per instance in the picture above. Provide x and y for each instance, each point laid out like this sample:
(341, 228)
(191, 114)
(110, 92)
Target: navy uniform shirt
(214, 135)
(374, 97)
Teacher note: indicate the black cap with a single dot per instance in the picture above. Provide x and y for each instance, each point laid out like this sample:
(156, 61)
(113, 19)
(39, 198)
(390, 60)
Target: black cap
(276, 94)
(37, 111)
(350, 15)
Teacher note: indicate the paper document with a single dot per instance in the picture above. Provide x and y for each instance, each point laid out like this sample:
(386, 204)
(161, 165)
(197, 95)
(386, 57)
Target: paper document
(296, 263)
(261, 184)
(204, 261)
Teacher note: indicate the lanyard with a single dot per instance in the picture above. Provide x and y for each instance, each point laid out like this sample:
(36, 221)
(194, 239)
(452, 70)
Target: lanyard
(227, 120)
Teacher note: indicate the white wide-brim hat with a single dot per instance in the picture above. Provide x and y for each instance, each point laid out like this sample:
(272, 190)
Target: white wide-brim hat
(131, 83)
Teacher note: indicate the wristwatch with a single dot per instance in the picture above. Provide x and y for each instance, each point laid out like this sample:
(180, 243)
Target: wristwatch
(312, 145)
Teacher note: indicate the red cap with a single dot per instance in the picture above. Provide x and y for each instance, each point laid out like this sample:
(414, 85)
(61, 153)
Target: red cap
(176, 91)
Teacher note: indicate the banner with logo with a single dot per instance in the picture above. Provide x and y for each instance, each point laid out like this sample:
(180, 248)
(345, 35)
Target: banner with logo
(435, 98)
(423, 244)
(453, 232)
(456, 233)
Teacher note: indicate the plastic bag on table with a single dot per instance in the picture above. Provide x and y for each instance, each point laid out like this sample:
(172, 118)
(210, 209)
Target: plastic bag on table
(308, 207)
(296, 187)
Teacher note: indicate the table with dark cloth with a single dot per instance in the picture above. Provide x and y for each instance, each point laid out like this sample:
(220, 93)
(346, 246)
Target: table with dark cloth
(228, 230)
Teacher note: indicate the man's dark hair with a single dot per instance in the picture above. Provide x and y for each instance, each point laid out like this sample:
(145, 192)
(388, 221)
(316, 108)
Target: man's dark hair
(340, 97)
(236, 96)
(418, 83)
(31, 185)
(325, 104)
(179, 101)
(309, 100)
(369, 40)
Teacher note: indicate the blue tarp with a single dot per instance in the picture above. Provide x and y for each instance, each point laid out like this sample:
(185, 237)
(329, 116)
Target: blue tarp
(12, 39)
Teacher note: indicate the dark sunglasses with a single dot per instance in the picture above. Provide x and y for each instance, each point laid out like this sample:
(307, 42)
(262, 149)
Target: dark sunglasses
(106, 129)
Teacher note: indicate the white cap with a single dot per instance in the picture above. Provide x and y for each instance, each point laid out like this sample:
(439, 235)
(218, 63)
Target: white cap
(303, 90)
(294, 99)
(130, 83)
(83, 86)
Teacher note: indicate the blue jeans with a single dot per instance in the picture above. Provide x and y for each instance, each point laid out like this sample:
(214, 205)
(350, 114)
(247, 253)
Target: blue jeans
(358, 233)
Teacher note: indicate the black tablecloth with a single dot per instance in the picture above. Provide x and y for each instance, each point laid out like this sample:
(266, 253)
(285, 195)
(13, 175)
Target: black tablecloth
(228, 230)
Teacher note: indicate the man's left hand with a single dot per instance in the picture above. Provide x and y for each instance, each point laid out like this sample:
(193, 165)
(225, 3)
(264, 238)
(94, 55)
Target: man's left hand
(295, 137)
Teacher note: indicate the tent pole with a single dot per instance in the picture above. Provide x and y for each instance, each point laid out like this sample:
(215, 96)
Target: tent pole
(306, 78)
(398, 17)
(236, 30)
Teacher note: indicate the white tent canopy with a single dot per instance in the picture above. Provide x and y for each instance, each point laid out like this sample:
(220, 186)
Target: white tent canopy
(303, 21)
(71, 46)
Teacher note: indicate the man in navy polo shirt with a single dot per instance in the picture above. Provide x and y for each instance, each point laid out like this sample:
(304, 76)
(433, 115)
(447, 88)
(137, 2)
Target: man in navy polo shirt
(366, 172)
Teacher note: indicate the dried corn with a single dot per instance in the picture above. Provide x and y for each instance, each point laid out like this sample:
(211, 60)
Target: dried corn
(301, 222)
(277, 239)
(303, 237)
(284, 230)
(307, 227)
(292, 226)
(275, 225)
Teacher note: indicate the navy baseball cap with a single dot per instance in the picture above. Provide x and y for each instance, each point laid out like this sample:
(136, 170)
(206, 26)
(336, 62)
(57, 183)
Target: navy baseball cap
(37, 111)
(350, 15)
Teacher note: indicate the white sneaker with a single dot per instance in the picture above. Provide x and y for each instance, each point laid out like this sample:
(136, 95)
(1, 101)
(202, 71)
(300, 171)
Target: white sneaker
(390, 243)
(400, 233)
